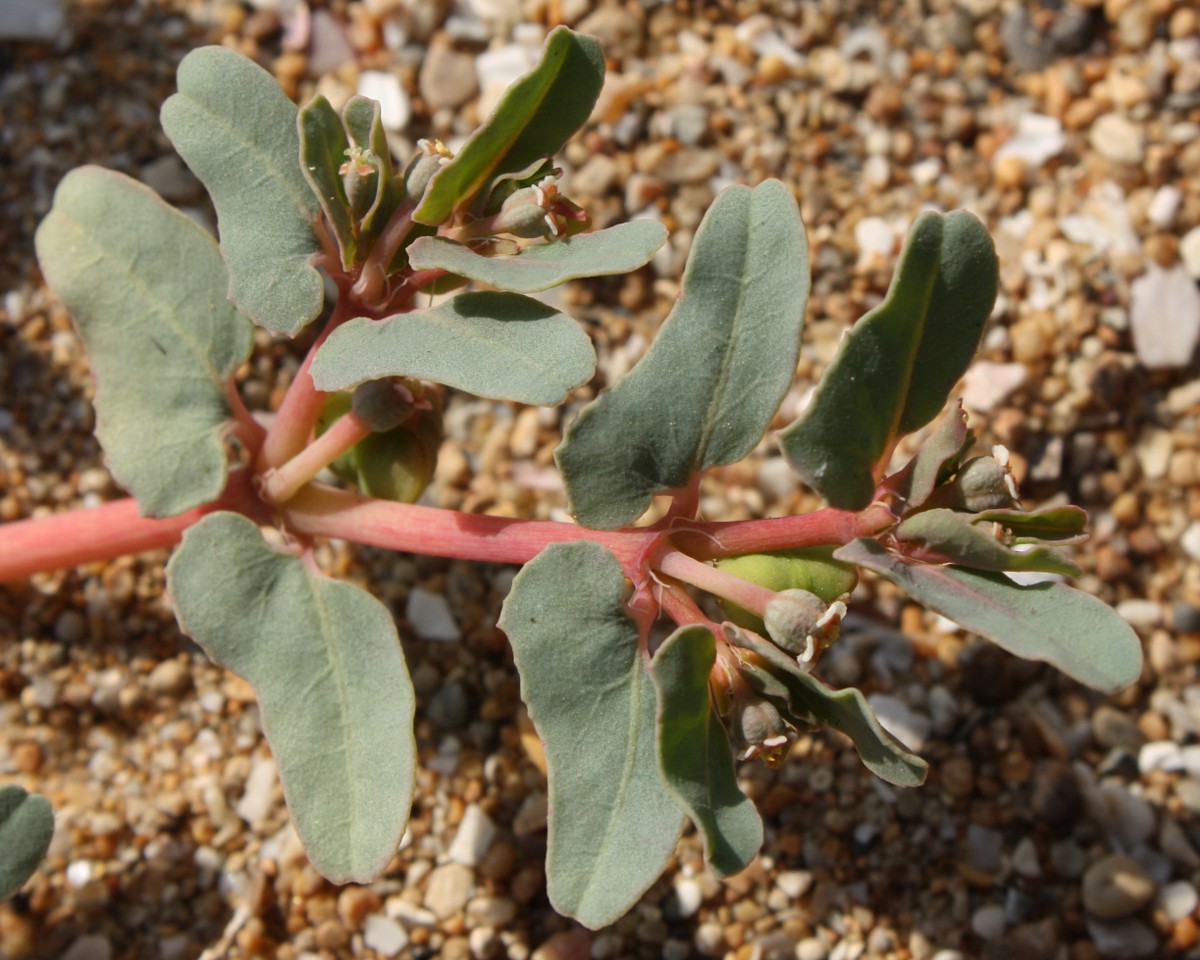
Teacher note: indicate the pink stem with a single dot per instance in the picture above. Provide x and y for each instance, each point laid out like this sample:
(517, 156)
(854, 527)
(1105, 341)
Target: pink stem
(828, 526)
(742, 592)
(323, 511)
(282, 483)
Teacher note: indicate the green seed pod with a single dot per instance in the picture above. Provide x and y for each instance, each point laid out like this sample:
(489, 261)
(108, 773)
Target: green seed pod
(812, 569)
(983, 483)
(803, 624)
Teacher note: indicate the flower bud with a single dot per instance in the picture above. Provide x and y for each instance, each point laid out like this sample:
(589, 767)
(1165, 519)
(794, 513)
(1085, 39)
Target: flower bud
(384, 404)
(802, 624)
(984, 483)
(760, 731)
(360, 177)
(432, 157)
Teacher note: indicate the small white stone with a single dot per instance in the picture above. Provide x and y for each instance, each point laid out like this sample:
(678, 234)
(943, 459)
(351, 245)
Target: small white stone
(874, 236)
(794, 883)
(1189, 252)
(429, 613)
(257, 799)
(395, 107)
(1117, 138)
(1178, 900)
(898, 719)
(988, 384)
(988, 922)
(448, 890)
(93, 946)
(1153, 451)
(812, 948)
(1190, 540)
(473, 838)
(1141, 613)
(1164, 316)
(688, 897)
(1038, 138)
(79, 873)
(384, 935)
(1162, 755)
(1164, 205)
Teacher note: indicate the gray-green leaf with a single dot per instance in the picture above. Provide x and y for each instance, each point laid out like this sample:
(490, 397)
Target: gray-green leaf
(26, 828)
(897, 365)
(618, 249)
(1073, 631)
(694, 755)
(323, 146)
(325, 662)
(236, 129)
(146, 287)
(536, 116)
(959, 539)
(707, 389)
(612, 822)
(498, 345)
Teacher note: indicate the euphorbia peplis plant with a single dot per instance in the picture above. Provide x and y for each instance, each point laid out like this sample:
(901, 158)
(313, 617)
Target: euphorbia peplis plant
(638, 734)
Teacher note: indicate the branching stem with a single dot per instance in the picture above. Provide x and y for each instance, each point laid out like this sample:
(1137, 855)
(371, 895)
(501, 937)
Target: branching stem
(282, 483)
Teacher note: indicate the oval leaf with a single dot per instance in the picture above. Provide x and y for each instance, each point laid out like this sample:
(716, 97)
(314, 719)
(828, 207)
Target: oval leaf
(937, 459)
(707, 389)
(236, 129)
(694, 755)
(898, 364)
(497, 345)
(1061, 524)
(618, 249)
(325, 662)
(612, 822)
(1071, 630)
(146, 287)
(537, 115)
(26, 828)
(323, 150)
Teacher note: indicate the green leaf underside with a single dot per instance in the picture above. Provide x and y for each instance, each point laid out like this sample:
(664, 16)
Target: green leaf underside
(236, 129)
(707, 389)
(498, 345)
(1069, 629)
(956, 537)
(898, 364)
(147, 287)
(694, 754)
(26, 828)
(323, 146)
(612, 822)
(618, 249)
(325, 662)
(848, 711)
(938, 455)
(535, 117)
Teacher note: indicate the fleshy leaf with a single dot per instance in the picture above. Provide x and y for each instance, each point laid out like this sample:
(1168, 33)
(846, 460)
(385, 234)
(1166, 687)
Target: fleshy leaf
(898, 364)
(618, 249)
(323, 146)
(237, 130)
(325, 662)
(848, 711)
(694, 754)
(719, 367)
(536, 116)
(364, 124)
(146, 287)
(1071, 630)
(954, 536)
(937, 458)
(498, 345)
(26, 828)
(1060, 524)
(612, 822)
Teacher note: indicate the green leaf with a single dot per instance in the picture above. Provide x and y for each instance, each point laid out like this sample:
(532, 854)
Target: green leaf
(957, 538)
(694, 755)
(26, 828)
(237, 130)
(364, 124)
(146, 287)
(937, 459)
(618, 249)
(323, 150)
(325, 662)
(707, 389)
(898, 364)
(498, 345)
(612, 822)
(537, 115)
(1060, 524)
(1071, 630)
(848, 711)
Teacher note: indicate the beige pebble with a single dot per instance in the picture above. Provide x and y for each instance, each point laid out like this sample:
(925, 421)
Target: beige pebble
(1116, 886)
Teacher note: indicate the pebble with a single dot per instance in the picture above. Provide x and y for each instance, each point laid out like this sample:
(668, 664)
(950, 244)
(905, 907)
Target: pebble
(812, 948)
(1113, 728)
(169, 678)
(89, 947)
(1123, 939)
(1189, 252)
(988, 922)
(258, 797)
(448, 889)
(430, 615)
(31, 20)
(384, 935)
(1178, 900)
(794, 883)
(473, 838)
(1117, 138)
(395, 107)
(907, 725)
(447, 78)
(1116, 886)
(1164, 316)
(988, 384)
(1190, 540)
(1037, 139)
(1164, 755)
(1143, 614)
(688, 896)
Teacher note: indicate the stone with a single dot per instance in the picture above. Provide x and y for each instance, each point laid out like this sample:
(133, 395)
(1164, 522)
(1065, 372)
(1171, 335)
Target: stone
(1038, 138)
(1178, 900)
(1164, 755)
(384, 935)
(1164, 205)
(429, 614)
(1123, 939)
(687, 895)
(988, 922)
(1116, 886)
(169, 678)
(1117, 138)
(1113, 728)
(473, 838)
(395, 106)
(31, 20)
(448, 889)
(258, 797)
(905, 724)
(1164, 316)
(447, 78)
(1189, 252)
(988, 384)
(90, 947)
